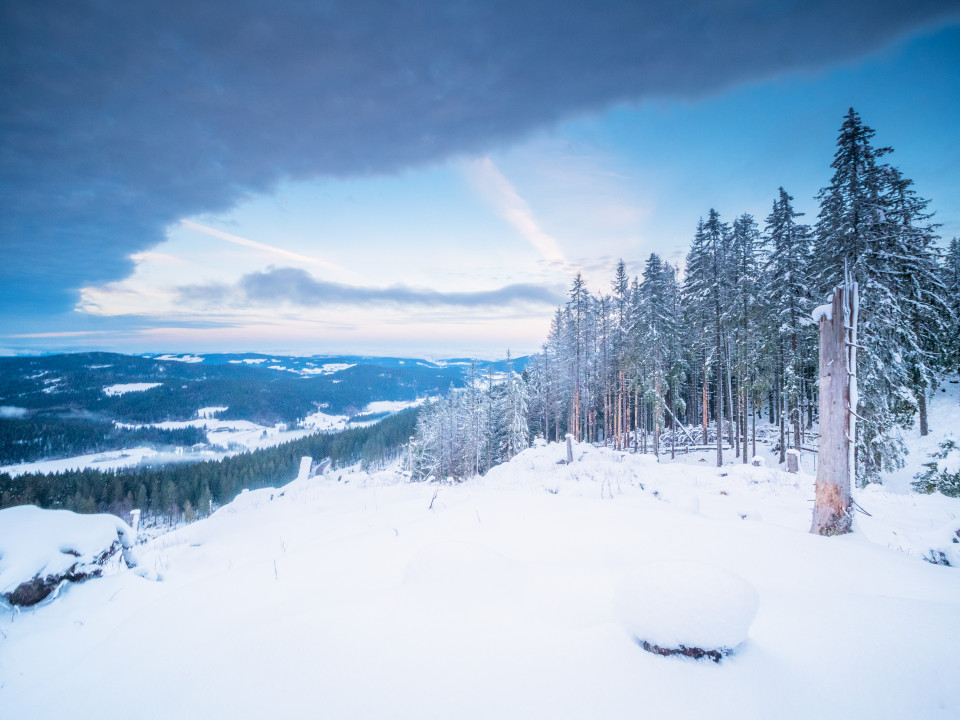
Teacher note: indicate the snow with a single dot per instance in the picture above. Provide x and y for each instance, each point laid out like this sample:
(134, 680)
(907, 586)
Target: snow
(101, 461)
(392, 406)
(208, 413)
(686, 604)
(181, 358)
(345, 595)
(943, 414)
(122, 388)
(322, 422)
(327, 368)
(823, 311)
(35, 542)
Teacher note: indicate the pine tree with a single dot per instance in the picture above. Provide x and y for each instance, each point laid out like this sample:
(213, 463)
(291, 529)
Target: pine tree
(950, 277)
(696, 301)
(872, 223)
(745, 286)
(513, 413)
(789, 298)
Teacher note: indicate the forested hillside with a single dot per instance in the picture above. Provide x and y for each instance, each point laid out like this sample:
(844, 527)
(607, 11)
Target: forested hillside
(191, 489)
(730, 340)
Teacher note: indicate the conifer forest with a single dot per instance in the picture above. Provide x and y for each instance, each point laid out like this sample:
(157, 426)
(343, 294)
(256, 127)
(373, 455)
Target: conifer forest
(662, 361)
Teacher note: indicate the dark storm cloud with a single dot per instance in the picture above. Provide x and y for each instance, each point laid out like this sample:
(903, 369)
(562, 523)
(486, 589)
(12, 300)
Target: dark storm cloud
(298, 287)
(118, 118)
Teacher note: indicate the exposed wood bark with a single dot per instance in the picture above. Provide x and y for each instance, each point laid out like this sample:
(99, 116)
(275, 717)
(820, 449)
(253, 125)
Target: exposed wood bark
(835, 467)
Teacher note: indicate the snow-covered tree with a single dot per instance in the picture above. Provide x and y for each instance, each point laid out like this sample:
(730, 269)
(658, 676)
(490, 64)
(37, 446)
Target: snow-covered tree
(872, 223)
(789, 300)
(950, 274)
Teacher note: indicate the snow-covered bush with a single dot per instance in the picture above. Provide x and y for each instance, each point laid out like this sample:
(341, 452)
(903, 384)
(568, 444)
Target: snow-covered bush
(942, 473)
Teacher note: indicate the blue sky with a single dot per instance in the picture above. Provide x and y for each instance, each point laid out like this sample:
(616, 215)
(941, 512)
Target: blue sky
(447, 226)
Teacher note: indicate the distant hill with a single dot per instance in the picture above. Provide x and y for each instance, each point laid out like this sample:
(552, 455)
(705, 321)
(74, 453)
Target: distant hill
(71, 403)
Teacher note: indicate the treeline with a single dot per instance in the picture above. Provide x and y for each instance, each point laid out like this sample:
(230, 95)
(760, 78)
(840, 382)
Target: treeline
(42, 437)
(732, 340)
(192, 489)
(469, 431)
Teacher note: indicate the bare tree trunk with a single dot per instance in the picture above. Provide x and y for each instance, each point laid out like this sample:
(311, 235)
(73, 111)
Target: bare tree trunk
(744, 410)
(719, 413)
(673, 435)
(705, 400)
(730, 406)
(783, 426)
(838, 364)
(922, 407)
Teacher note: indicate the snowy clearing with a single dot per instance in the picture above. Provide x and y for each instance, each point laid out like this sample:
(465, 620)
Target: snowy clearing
(181, 358)
(347, 591)
(327, 368)
(122, 388)
(108, 460)
(392, 406)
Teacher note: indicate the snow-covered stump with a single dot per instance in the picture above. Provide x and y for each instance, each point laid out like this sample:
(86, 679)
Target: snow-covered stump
(838, 398)
(569, 448)
(793, 461)
(306, 463)
(688, 609)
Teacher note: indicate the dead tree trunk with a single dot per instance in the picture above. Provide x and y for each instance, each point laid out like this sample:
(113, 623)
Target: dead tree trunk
(838, 399)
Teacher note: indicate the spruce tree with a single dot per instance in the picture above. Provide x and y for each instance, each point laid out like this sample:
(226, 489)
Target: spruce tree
(871, 223)
(950, 277)
(789, 299)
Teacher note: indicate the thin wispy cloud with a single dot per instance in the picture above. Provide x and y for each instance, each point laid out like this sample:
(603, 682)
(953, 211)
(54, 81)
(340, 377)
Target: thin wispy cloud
(503, 196)
(272, 249)
(65, 334)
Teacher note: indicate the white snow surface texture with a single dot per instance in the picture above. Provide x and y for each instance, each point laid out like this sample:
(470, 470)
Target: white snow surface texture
(685, 604)
(516, 596)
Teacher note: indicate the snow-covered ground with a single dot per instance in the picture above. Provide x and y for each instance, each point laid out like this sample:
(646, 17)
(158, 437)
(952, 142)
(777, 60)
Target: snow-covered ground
(186, 358)
(943, 420)
(347, 596)
(392, 406)
(109, 460)
(122, 388)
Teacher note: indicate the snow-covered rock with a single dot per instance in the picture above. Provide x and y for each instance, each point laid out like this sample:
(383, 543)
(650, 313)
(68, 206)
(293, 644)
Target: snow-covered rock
(676, 605)
(39, 549)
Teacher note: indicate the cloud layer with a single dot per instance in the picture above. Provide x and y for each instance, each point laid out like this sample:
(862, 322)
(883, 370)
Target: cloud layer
(120, 118)
(297, 287)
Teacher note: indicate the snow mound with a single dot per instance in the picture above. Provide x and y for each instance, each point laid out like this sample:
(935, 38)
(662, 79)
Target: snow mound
(686, 605)
(822, 311)
(37, 543)
(463, 570)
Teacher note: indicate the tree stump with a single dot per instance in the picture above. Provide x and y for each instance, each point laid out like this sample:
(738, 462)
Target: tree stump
(793, 461)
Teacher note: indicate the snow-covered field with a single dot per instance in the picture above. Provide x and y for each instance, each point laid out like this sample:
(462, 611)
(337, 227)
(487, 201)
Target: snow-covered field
(109, 460)
(347, 596)
(123, 388)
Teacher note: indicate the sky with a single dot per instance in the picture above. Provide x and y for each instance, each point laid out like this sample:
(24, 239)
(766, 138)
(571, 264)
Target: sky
(420, 179)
